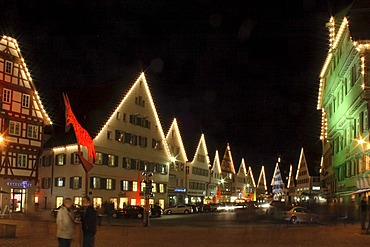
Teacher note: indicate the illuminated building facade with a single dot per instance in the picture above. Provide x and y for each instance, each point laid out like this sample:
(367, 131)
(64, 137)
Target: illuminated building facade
(198, 174)
(278, 185)
(251, 185)
(308, 182)
(228, 176)
(128, 139)
(177, 189)
(22, 123)
(261, 188)
(343, 101)
(215, 185)
(240, 184)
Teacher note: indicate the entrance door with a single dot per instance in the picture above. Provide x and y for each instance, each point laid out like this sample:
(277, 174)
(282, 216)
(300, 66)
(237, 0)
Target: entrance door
(18, 197)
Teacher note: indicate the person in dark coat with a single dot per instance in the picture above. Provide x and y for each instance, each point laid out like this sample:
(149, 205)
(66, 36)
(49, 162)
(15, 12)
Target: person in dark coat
(88, 221)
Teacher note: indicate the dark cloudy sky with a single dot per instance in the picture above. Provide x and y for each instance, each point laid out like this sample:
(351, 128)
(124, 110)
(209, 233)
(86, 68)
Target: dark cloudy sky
(243, 72)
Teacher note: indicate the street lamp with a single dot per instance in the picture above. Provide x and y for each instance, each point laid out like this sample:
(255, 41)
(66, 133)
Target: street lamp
(148, 193)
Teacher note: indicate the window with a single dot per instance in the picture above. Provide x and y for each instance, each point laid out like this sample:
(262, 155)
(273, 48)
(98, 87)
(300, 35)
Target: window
(95, 183)
(22, 160)
(201, 158)
(109, 135)
(26, 101)
(154, 189)
(134, 186)
(118, 116)
(139, 101)
(8, 67)
(112, 160)
(59, 182)
(60, 159)
(109, 184)
(99, 159)
(45, 183)
(7, 95)
(75, 182)
(161, 188)
(77, 200)
(143, 141)
(75, 159)
(14, 128)
(125, 185)
(33, 131)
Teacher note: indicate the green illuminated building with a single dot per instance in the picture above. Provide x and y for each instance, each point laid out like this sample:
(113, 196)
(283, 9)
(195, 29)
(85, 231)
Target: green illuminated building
(344, 93)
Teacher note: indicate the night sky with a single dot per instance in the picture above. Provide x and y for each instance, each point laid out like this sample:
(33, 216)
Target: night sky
(243, 72)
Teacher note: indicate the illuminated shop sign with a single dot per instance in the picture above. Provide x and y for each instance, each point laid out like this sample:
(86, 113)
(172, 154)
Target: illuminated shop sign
(23, 184)
(182, 190)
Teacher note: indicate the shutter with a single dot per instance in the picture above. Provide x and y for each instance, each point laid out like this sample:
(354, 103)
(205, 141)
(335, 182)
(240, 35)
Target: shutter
(115, 161)
(145, 142)
(79, 182)
(127, 137)
(135, 140)
(105, 159)
(72, 158)
(64, 181)
(133, 164)
(103, 183)
(130, 185)
(64, 159)
(91, 182)
(117, 135)
(71, 182)
(50, 160)
(43, 183)
(113, 184)
(55, 182)
(49, 183)
(56, 160)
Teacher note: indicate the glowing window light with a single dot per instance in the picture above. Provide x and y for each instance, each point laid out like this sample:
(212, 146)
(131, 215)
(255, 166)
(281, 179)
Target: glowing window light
(23, 64)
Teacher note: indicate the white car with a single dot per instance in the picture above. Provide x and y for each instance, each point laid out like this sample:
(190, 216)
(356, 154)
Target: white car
(180, 209)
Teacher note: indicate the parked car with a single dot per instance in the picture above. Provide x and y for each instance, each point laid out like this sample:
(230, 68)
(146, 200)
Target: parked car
(300, 214)
(180, 209)
(76, 210)
(129, 212)
(155, 211)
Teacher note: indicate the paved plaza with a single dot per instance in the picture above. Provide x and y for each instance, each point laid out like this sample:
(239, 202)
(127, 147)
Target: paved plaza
(31, 232)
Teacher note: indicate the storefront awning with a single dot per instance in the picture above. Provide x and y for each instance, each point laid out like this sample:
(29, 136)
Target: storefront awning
(361, 191)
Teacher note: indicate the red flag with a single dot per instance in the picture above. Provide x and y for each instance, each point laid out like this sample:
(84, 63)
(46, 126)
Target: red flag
(219, 192)
(138, 197)
(82, 136)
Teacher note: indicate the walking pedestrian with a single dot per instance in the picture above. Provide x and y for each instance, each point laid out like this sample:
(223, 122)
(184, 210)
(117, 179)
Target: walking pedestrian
(88, 221)
(363, 209)
(65, 223)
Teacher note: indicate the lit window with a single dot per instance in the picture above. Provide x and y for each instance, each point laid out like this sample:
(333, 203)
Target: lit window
(77, 200)
(22, 160)
(124, 185)
(60, 160)
(26, 100)
(8, 67)
(76, 182)
(7, 95)
(134, 186)
(109, 184)
(14, 128)
(75, 159)
(161, 188)
(142, 186)
(96, 183)
(111, 160)
(154, 189)
(99, 158)
(33, 131)
(59, 182)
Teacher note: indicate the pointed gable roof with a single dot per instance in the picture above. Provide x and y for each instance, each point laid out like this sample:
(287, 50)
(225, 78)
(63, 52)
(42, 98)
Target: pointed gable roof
(9, 46)
(202, 146)
(227, 164)
(216, 168)
(242, 170)
(276, 175)
(174, 128)
(291, 183)
(302, 164)
(251, 176)
(262, 178)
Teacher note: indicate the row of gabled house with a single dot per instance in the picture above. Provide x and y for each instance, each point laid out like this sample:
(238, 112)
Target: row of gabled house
(39, 170)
